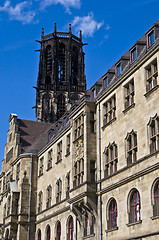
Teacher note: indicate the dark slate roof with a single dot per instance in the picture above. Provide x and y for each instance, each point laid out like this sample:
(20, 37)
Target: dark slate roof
(30, 131)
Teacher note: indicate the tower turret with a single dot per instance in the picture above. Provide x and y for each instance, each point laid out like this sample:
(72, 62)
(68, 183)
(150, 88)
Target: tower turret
(61, 79)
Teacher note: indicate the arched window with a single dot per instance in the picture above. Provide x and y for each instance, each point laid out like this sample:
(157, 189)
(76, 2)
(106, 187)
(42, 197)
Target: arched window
(58, 234)
(48, 59)
(156, 199)
(48, 233)
(61, 63)
(60, 105)
(134, 207)
(70, 229)
(131, 147)
(74, 66)
(112, 214)
(39, 234)
(7, 234)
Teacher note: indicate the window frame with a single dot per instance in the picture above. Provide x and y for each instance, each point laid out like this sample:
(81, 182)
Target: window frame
(135, 208)
(111, 159)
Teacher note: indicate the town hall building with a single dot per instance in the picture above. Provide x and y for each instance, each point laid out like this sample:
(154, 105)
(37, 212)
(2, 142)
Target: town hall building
(88, 168)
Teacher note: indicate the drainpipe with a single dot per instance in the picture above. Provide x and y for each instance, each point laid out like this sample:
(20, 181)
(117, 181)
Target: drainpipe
(76, 228)
(100, 198)
(31, 166)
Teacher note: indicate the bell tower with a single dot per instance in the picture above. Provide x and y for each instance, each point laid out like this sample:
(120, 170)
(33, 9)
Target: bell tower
(61, 78)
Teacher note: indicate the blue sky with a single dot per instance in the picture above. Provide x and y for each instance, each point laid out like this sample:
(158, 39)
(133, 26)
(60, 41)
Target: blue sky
(109, 27)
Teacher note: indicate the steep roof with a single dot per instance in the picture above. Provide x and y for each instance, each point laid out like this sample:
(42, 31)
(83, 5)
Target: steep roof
(30, 132)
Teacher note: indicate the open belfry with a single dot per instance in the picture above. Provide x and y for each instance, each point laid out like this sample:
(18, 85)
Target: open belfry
(88, 168)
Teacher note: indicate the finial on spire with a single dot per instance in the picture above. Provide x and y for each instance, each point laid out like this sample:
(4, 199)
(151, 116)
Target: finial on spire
(69, 28)
(54, 27)
(80, 35)
(42, 34)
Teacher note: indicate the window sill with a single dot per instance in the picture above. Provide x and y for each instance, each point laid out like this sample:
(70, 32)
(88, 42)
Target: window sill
(89, 236)
(40, 175)
(48, 168)
(58, 161)
(151, 90)
(154, 217)
(67, 154)
(107, 124)
(111, 230)
(128, 108)
(134, 223)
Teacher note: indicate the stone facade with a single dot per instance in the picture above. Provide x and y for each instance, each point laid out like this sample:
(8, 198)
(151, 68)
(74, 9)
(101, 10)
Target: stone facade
(93, 174)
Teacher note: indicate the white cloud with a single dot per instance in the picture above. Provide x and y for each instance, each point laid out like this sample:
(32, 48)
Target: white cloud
(87, 24)
(66, 3)
(19, 12)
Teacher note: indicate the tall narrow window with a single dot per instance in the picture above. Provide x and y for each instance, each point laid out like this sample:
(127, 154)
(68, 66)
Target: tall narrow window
(74, 66)
(68, 144)
(49, 163)
(61, 63)
(48, 233)
(109, 110)
(118, 69)
(41, 166)
(92, 171)
(58, 190)
(112, 221)
(48, 59)
(61, 105)
(79, 172)
(40, 201)
(135, 207)
(133, 55)
(156, 199)
(86, 225)
(59, 151)
(111, 159)
(58, 231)
(67, 184)
(154, 133)
(129, 94)
(39, 234)
(70, 229)
(92, 122)
(131, 147)
(151, 38)
(79, 127)
(49, 196)
(151, 75)
(18, 172)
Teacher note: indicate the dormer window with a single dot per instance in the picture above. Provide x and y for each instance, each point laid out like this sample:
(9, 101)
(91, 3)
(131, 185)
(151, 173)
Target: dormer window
(133, 55)
(105, 82)
(119, 69)
(151, 38)
(93, 93)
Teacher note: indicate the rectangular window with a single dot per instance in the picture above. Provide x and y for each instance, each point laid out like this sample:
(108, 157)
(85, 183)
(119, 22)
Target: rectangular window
(151, 76)
(154, 135)
(131, 147)
(49, 164)
(105, 82)
(92, 122)
(59, 151)
(133, 55)
(68, 144)
(129, 93)
(111, 159)
(79, 127)
(110, 110)
(118, 69)
(92, 171)
(18, 172)
(78, 172)
(151, 38)
(41, 166)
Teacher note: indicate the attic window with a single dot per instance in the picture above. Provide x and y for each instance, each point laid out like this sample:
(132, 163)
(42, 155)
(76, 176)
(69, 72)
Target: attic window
(133, 55)
(151, 38)
(105, 82)
(119, 69)
(93, 93)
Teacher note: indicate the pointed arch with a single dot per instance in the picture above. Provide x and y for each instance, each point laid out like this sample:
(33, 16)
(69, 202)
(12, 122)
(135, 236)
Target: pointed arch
(61, 67)
(111, 213)
(48, 59)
